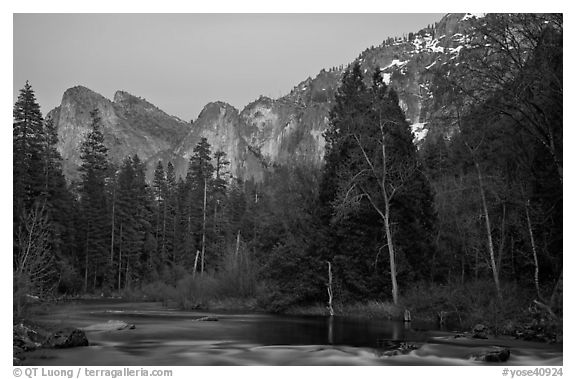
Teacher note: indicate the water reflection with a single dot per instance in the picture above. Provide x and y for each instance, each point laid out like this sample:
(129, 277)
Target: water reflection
(331, 330)
(173, 337)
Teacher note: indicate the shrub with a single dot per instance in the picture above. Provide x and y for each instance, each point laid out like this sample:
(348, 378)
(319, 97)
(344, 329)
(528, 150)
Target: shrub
(159, 291)
(471, 303)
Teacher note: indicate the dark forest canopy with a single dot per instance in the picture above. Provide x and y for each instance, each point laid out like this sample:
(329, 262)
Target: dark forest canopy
(482, 204)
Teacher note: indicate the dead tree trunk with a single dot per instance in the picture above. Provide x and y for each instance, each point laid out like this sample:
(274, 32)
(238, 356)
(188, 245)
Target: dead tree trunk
(163, 248)
(392, 255)
(203, 228)
(502, 238)
(86, 263)
(488, 231)
(533, 245)
(127, 274)
(112, 238)
(387, 197)
(120, 260)
(195, 264)
(95, 277)
(237, 247)
(329, 287)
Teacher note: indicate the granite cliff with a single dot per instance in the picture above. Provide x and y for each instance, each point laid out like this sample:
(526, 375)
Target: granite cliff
(267, 131)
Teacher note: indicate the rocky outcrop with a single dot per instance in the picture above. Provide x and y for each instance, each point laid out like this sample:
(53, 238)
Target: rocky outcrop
(25, 338)
(66, 338)
(492, 354)
(28, 338)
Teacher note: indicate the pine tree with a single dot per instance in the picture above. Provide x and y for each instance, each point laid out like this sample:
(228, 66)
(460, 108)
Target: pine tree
(350, 103)
(125, 210)
(147, 243)
(28, 149)
(218, 189)
(184, 244)
(94, 171)
(137, 244)
(160, 191)
(39, 192)
(39, 183)
(171, 204)
(198, 178)
(345, 245)
(60, 203)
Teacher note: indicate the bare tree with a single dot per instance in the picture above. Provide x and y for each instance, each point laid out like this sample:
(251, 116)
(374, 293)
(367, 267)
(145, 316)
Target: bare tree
(520, 57)
(490, 243)
(34, 261)
(390, 178)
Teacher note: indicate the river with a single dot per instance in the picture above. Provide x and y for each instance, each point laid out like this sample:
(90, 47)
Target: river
(165, 336)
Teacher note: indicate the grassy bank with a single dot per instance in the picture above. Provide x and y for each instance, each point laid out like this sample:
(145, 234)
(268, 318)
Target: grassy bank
(454, 307)
(460, 308)
(369, 310)
(208, 292)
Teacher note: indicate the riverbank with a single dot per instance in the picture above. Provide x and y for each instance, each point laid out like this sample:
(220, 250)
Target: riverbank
(462, 309)
(458, 308)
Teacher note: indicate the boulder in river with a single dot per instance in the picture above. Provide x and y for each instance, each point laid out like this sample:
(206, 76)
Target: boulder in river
(109, 326)
(66, 338)
(207, 318)
(392, 348)
(492, 354)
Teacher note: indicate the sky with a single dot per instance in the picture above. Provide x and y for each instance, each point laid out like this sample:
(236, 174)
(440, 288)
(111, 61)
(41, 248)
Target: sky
(181, 62)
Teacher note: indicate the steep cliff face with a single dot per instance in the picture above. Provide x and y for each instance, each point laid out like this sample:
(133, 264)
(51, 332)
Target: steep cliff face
(147, 119)
(130, 126)
(267, 131)
(290, 128)
(72, 119)
(221, 125)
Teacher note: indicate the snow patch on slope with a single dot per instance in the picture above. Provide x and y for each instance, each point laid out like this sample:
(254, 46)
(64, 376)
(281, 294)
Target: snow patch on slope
(430, 65)
(396, 62)
(469, 16)
(419, 131)
(386, 78)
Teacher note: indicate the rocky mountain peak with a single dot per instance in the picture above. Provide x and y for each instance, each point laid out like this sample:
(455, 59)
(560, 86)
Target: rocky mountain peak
(80, 92)
(271, 130)
(124, 97)
(216, 109)
(85, 98)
